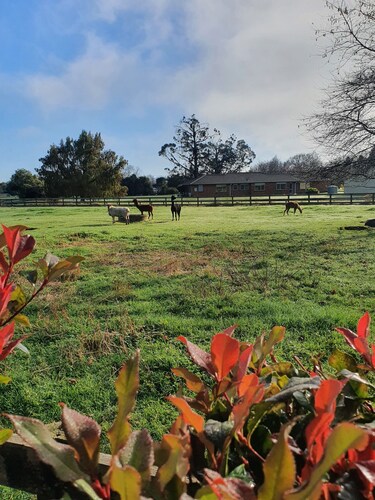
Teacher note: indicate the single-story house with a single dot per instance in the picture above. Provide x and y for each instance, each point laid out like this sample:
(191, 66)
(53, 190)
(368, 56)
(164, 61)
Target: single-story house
(248, 184)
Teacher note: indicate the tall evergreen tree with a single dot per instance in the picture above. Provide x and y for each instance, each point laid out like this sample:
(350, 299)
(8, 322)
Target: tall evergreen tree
(82, 167)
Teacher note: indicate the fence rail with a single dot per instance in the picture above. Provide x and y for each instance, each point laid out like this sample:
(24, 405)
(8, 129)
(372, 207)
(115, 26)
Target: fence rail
(320, 199)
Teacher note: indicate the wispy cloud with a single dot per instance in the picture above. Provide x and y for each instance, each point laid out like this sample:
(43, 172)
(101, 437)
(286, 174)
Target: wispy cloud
(243, 66)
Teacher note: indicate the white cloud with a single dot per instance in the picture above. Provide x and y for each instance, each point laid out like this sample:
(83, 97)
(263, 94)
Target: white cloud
(252, 67)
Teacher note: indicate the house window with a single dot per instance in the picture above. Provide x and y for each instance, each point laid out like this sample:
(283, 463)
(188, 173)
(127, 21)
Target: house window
(221, 188)
(259, 186)
(243, 187)
(235, 187)
(200, 188)
(280, 186)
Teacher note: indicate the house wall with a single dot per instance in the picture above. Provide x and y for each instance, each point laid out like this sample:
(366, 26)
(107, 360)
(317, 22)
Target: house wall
(210, 190)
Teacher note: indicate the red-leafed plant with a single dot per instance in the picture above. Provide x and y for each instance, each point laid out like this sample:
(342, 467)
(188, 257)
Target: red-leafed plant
(259, 428)
(14, 247)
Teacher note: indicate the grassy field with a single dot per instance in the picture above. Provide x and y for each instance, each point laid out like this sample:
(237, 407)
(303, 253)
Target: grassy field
(144, 284)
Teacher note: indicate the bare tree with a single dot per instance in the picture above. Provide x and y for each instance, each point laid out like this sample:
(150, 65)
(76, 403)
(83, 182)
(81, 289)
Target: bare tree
(345, 126)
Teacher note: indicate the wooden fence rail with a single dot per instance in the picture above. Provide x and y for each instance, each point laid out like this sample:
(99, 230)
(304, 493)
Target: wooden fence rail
(21, 469)
(320, 199)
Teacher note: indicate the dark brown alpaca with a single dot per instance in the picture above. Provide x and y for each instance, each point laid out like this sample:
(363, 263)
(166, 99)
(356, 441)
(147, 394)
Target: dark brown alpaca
(144, 208)
(292, 204)
(175, 209)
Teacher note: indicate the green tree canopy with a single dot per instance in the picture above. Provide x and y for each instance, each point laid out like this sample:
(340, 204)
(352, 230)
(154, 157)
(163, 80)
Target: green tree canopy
(196, 151)
(25, 184)
(138, 186)
(82, 167)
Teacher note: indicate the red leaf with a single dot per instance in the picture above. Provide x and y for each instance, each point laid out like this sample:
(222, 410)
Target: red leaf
(25, 247)
(224, 353)
(229, 331)
(200, 357)
(12, 240)
(3, 263)
(254, 393)
(6, 333)
(189, 416)
(10, 347)
(326, 395)
(5, 294)
(363, 326)
(243, 363)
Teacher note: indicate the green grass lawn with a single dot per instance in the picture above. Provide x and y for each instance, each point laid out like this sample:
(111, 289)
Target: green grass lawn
(144, 284)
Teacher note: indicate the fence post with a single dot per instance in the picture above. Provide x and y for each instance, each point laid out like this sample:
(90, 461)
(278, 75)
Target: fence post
(232, 201)
(269, 199)
(373, 198)
(197, 201)
(250, 200)
(308, 198)
(351, 199)
(330, 199)
(215, 201)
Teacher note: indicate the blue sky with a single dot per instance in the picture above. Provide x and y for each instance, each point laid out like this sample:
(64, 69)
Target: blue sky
(130, 69)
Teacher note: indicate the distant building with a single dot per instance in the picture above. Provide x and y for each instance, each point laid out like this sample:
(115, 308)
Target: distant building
(248, 184)
(359, 185)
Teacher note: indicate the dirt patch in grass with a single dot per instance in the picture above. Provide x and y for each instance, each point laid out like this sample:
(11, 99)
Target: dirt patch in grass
(166, 263)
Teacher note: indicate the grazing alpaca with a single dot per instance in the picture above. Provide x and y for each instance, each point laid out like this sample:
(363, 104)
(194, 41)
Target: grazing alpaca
(144, 208)
(292, 204)
(175, 209)
(120, 212)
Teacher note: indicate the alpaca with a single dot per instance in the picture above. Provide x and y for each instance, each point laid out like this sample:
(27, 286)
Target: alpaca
(175, 209)
(120, 212)
(144, 208)
(292, 204)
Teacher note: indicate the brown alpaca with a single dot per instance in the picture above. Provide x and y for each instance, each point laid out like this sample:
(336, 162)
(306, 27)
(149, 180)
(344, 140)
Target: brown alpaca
(175, 209)
(292, 204)
(144, 208)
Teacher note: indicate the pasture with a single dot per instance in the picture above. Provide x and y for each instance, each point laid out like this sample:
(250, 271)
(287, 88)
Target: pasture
(141, 285)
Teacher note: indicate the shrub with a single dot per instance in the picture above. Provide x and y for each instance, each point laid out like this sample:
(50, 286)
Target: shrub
(312, 190)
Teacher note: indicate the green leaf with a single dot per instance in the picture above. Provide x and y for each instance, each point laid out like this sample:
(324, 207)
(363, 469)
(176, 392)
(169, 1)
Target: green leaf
(59, 456)
(257, 412)
(217, 432)
(240, 472)
(5, 434)
(205, 493)
(84, 486)
(343, 437)
(261, 440)
(175, 461)
(279, 468)
(138, 452)
(126, 482)
(4, 379)
(127, 384)
(283, 368)
(295, 384)
(341, 360)
(22, 319)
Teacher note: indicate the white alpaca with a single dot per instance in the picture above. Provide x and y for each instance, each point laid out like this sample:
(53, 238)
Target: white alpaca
(120, 212)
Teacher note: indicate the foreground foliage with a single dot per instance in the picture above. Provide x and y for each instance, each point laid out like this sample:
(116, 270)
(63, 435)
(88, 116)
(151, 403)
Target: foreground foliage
(249, 427)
